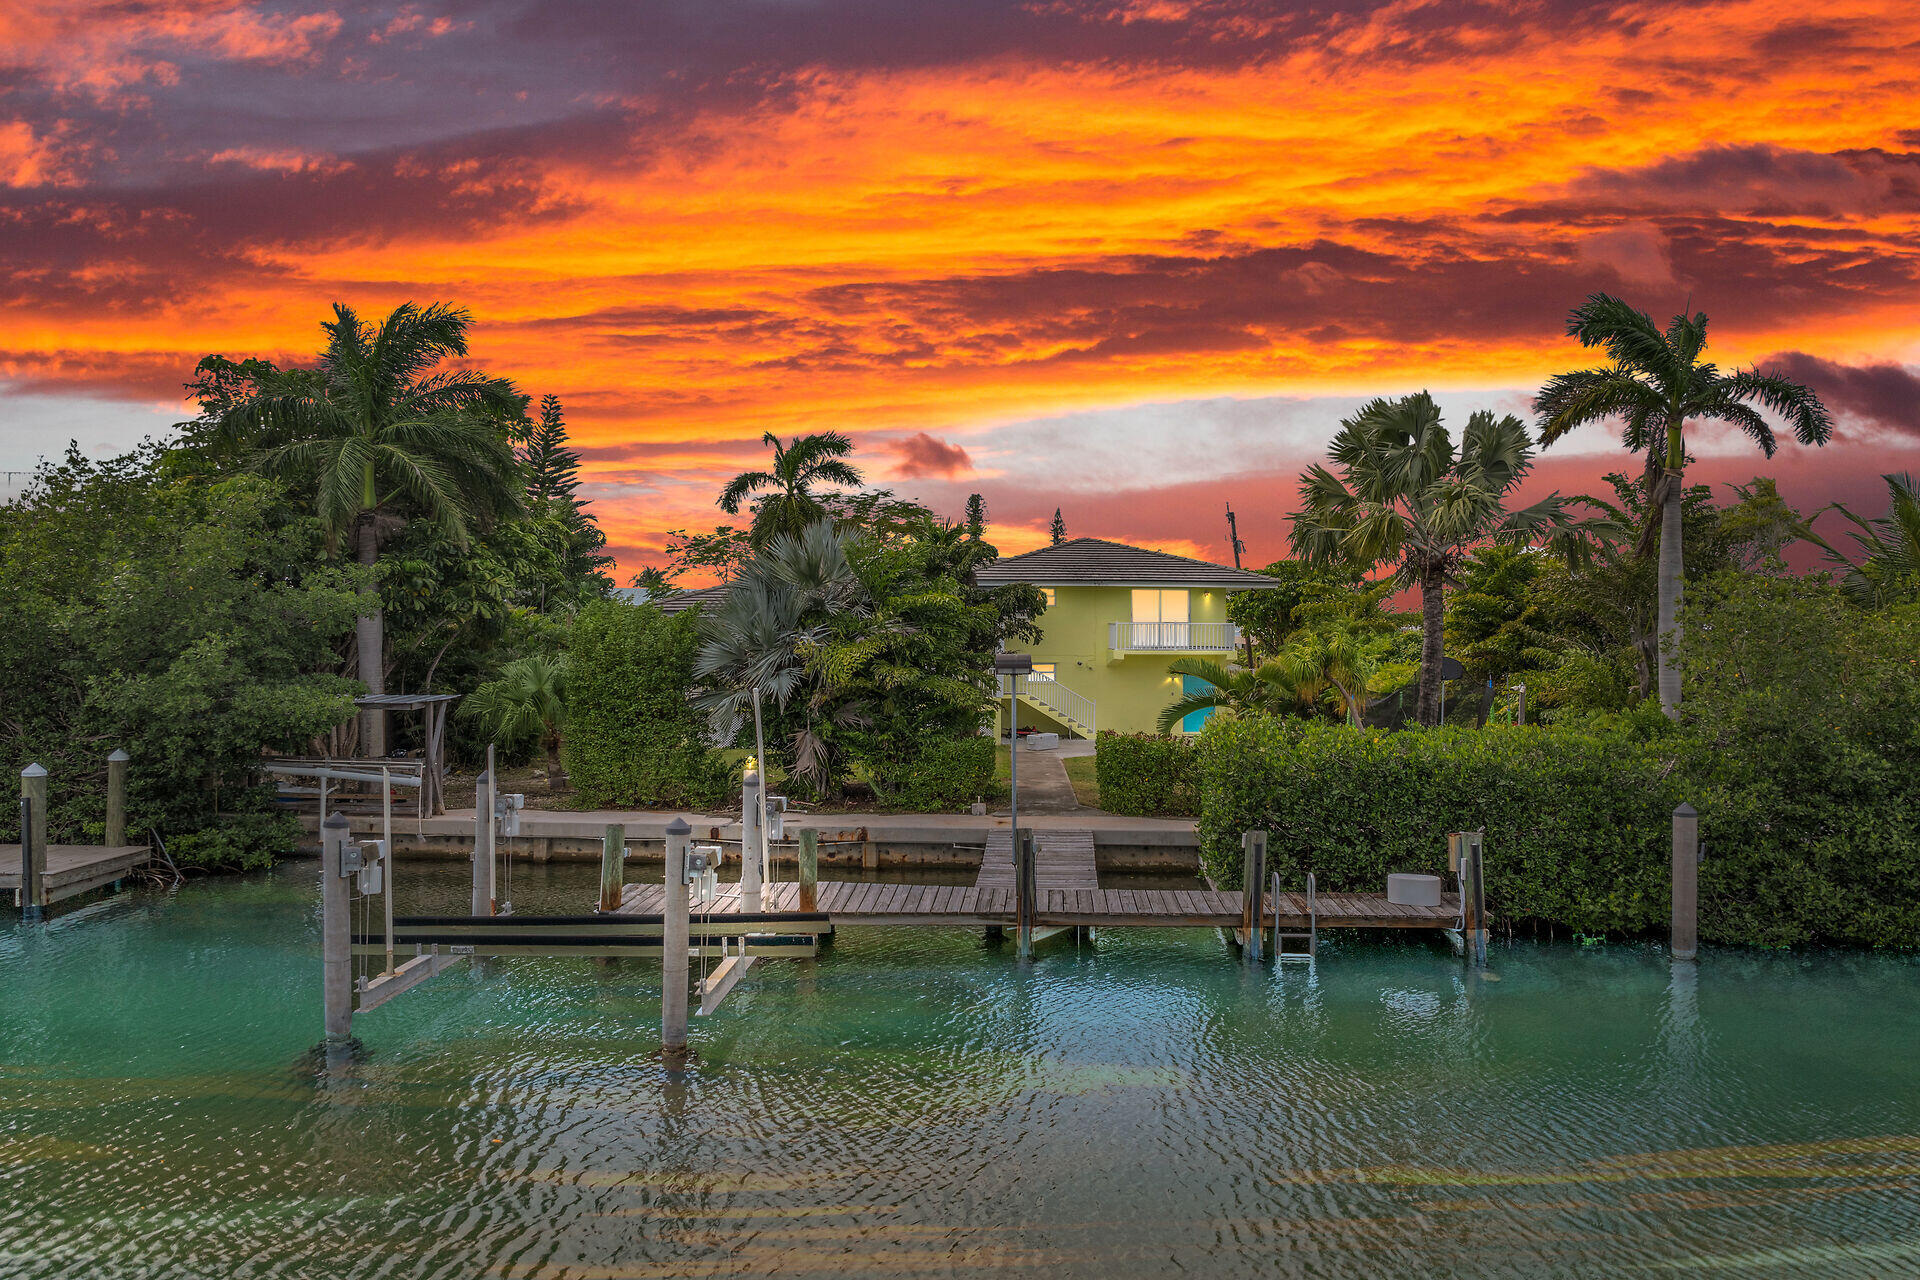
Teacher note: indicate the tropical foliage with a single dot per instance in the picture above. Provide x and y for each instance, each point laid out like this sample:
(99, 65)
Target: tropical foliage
(1404, 496)
(1887, 568)
(527, 700)
(1656, 384)
(789, 500)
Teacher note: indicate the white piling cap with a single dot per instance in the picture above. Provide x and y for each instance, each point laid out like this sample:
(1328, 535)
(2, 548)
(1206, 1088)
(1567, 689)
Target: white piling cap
(33, 770)
(751, 780)
(119, 756)
(337, 821)
(679, 827)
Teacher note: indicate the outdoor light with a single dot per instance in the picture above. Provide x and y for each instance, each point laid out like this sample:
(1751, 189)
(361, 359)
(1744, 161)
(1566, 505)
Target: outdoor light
(1013, 664)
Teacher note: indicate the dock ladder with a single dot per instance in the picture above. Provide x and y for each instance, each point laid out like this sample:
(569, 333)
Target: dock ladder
(1311, 937)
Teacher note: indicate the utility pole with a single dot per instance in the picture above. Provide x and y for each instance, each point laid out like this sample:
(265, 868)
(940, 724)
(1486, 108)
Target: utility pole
(1233, 537)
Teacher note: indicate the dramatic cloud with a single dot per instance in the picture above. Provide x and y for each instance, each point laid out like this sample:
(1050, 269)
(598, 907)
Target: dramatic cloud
(921, 456)
(1880, 395)
(1122, 251)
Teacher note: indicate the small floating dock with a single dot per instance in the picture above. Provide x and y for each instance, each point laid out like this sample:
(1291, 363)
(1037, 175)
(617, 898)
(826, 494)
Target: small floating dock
(72, 869)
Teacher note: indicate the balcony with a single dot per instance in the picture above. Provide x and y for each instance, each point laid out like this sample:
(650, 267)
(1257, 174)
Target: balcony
(1124, 638)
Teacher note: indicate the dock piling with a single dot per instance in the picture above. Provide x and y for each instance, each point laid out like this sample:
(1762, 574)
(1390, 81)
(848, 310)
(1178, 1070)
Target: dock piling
(482, 821)
(33, 841)
(752, 847)
(1686, 882)
(809, 869)
(613, 852)
(336, 930)
(1253, 871)
(1023, 892)
(676, 926)
(117, 799)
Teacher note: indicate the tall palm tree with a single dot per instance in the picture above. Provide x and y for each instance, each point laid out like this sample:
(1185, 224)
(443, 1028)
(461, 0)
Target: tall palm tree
(1405, 497)
(1888, 571)
(527, 699)
(790, 504)
(382, 437)
(1655, 386)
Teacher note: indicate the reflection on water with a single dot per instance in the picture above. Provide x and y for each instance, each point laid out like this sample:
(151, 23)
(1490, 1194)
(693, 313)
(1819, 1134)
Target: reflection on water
(913, 1103)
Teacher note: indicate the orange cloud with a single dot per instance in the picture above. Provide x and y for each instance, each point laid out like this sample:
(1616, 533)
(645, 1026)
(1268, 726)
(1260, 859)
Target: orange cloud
(923, 223)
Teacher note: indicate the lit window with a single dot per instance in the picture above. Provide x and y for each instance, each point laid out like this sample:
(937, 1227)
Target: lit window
(1043, 671)
(1047, 592)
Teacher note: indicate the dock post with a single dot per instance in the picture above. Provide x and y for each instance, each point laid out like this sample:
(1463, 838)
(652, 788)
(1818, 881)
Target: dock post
(752, 818)
(483, 844)
(1686, 882)
(1479, 839)
(117, 799)
(336, 924)
(613, 851)
(809, 869)
(1253, 871)
(1023, 892)
(33, 841)
(676, 925)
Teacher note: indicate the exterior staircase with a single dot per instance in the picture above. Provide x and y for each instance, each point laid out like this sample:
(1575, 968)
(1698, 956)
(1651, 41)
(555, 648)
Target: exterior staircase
(1045, 694)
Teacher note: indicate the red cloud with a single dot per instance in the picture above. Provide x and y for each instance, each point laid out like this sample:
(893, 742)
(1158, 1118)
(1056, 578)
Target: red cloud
(922, 456)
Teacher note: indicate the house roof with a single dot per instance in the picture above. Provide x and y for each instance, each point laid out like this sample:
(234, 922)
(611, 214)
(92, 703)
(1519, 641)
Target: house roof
(683, 600)
(1098, 562)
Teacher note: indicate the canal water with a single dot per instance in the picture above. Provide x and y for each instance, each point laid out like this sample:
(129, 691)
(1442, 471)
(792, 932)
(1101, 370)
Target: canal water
(914, 1104)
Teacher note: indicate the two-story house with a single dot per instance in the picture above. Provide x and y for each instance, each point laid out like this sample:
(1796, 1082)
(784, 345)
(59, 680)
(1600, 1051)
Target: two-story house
(1115, 615)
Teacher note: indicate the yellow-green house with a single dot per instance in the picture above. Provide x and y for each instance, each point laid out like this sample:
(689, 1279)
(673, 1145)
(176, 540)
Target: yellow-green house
(1115, 616)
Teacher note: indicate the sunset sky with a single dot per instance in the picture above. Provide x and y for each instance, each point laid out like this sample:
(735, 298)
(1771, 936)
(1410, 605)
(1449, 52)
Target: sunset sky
(1131, 258)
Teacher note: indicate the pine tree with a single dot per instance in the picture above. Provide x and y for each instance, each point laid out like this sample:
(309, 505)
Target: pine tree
(1058, 528)
(976, 517)
(553, 470)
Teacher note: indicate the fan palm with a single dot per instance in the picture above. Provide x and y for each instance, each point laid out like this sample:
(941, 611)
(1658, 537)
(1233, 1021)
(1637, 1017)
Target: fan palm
(1889, 568)
(1405, 497)
(528, 699)
(1326, 658)
(382, 437)
(790, 504)
(777, 616)
(1655, 386)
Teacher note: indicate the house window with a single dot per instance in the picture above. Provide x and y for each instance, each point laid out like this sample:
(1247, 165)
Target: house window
(1043, 671)
(1047, 592)
(1159, 618)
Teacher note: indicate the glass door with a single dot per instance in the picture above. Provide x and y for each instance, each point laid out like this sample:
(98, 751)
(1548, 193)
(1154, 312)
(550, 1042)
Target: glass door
(1159, 618)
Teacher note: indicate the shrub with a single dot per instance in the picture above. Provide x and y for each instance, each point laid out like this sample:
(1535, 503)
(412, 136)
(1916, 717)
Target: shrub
(1148, 774)
(632, 738)
(243, 842)
(949, 774)
(1810, 830)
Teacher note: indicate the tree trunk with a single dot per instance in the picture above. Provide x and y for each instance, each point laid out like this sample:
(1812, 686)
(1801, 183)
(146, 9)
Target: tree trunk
(1671, 584)
(1433, 622)
(367, 637)
(556, 772)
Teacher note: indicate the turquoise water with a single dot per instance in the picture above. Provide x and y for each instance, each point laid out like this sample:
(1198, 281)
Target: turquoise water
(915, 1104)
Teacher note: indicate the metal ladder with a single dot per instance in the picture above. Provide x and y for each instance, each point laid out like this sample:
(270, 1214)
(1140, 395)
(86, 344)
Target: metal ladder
(1311, 937)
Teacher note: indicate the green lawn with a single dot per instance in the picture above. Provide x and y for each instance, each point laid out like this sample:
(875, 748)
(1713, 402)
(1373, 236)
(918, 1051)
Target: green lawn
(1085, 780)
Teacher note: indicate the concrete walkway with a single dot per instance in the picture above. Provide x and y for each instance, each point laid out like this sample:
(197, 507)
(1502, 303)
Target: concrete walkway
(1044, 786)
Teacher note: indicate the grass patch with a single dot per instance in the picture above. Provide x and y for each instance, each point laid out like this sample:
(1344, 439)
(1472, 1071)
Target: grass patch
(1082, 772)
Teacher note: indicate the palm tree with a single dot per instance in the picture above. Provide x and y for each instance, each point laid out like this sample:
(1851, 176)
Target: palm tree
(790, 504)
(1227, 689)
(768, 633)
(383, 438)
(1405, 497)
(1657, 384)
(527, 699)
(1321, 659)
(1889, 547)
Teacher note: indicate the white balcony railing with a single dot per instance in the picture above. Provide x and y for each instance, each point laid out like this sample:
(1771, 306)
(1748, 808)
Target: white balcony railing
(1076, 710)
(1172, 637)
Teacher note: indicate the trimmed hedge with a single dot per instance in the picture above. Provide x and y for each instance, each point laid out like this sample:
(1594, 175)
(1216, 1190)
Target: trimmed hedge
(1578, 827)
(1147, 774)
(632, 740)
(946, 774)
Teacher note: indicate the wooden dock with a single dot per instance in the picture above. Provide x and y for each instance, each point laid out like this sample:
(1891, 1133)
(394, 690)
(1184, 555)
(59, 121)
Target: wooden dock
(72, 869)
(1068, 894)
